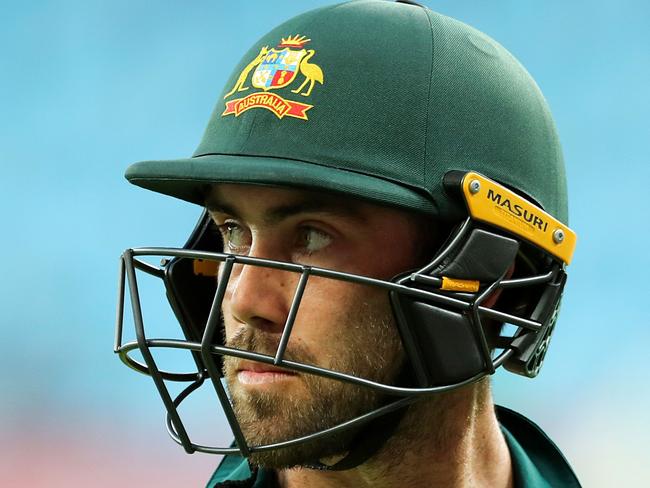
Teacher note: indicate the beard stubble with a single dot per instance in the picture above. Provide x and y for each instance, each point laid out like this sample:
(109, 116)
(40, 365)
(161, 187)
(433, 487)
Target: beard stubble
(367, 346)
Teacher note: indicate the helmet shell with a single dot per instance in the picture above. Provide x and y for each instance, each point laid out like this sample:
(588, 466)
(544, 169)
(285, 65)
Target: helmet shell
(396, 96)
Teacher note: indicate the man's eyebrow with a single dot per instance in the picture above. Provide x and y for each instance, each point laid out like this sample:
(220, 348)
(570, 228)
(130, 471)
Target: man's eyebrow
(216, 207)
(279, 213)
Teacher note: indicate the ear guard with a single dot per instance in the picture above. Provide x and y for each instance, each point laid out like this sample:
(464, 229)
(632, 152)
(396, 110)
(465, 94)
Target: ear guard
(447, 345)
(191, 283)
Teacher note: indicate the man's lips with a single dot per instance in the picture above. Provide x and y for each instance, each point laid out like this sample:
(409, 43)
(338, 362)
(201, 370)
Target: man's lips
(252, 373)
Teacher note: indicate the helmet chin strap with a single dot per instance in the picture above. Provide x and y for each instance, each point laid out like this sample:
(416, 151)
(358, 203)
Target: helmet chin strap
(366, 443)
(372, 437)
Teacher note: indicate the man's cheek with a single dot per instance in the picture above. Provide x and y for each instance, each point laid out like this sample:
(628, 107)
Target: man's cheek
(227, 321)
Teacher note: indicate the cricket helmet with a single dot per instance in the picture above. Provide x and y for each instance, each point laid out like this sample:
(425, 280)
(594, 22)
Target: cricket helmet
(395, 104)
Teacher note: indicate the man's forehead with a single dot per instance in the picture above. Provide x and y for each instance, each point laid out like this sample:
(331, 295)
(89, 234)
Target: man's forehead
(276, 203)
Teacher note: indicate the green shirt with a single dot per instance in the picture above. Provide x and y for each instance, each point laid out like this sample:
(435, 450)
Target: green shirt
(536, 460)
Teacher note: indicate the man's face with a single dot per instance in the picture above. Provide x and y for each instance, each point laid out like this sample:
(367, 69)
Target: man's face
(340, 326)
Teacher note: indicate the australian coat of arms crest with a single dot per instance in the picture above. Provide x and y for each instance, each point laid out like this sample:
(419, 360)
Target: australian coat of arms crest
(273, 69)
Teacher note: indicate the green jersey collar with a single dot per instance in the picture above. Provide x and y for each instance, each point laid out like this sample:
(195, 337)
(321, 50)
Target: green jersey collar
(536, 460)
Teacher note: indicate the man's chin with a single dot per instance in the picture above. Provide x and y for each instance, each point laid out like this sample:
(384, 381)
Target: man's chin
(264, 424)
(307, 454)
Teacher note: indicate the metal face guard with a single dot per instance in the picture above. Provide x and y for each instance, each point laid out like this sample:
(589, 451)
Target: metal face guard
(439, 326)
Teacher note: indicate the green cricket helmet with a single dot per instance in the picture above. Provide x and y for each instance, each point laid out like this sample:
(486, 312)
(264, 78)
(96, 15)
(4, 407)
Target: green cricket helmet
(401, 106)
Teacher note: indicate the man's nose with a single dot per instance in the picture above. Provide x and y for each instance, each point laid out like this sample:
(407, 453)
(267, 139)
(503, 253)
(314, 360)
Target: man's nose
(260, 296)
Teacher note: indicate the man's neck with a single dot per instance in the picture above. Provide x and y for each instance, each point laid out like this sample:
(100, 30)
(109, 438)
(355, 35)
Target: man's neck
(452, 440)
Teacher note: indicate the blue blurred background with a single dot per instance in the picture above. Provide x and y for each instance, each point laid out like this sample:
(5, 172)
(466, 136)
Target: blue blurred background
(86, 88)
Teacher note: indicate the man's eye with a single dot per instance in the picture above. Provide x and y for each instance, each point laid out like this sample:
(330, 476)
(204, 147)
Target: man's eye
(235, 238)
(311, 240)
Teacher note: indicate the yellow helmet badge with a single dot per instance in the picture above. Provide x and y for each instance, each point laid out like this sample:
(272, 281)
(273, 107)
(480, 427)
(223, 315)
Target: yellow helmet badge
(273, 69)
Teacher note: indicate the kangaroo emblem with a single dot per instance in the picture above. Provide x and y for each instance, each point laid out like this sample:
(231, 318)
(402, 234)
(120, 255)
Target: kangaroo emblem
(239, 86)
(273, 70)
